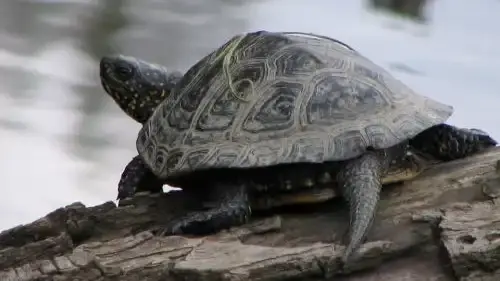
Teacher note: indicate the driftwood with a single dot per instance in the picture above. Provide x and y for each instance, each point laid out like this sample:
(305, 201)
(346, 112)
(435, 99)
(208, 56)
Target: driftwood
(444, 225)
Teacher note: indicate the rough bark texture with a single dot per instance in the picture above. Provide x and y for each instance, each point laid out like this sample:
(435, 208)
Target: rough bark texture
(444, 225)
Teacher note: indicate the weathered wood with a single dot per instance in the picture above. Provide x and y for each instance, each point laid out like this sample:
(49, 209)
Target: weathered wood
(470, 234)
(420, 234)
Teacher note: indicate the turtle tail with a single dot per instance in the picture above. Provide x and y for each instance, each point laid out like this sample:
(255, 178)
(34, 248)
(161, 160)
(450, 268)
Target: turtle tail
(360, 184)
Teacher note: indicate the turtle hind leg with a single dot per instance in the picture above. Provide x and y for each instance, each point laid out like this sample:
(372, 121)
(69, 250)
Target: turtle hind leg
(446, 142)
(360, 183)
(232, 208)
(137, 177)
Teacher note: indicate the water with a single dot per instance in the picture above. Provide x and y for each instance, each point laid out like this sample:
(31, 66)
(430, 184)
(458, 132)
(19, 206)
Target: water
(63, 140)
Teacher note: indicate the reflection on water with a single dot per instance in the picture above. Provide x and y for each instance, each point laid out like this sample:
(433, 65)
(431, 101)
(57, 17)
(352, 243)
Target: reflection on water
(64, 140)
(412, 9)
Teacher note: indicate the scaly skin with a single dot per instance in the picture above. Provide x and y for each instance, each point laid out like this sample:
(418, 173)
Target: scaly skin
(445, 142)
(136, 177)
(359, 180)
(136, 85)
(232, 207)
(360, 184)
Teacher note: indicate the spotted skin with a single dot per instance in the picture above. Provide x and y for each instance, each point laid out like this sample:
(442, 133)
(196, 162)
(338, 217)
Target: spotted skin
(136, 177)
(184, 150)
(138, 87)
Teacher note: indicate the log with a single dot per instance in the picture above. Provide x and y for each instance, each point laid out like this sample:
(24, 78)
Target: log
(443, 225)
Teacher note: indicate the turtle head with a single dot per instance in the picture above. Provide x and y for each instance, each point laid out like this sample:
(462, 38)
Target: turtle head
(137, 86)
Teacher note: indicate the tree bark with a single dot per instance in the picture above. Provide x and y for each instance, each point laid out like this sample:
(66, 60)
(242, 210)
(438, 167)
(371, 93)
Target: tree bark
(443, 225)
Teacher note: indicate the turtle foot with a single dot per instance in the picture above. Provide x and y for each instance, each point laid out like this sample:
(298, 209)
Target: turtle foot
(208, 222)
(136, 177)
(446, 142)
(232, 208)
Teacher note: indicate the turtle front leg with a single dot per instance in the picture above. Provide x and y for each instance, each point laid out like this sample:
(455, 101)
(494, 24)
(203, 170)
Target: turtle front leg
(137, 177)
(446, 142)
(360, 181)
(232, 208)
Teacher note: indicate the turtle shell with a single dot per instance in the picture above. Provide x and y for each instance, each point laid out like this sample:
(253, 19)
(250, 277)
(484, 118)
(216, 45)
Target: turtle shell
(267, 98)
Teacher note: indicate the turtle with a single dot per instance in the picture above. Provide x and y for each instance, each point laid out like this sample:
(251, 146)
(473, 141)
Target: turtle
(267, 111)
(138, 87)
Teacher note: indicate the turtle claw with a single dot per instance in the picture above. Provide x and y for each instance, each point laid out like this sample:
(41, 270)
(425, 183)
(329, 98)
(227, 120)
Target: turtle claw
(207, 222)
(166, 230)
(176, 227)
(189, 224)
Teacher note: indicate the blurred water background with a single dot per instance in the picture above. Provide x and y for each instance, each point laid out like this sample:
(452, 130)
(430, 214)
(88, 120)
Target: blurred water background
(63, 140)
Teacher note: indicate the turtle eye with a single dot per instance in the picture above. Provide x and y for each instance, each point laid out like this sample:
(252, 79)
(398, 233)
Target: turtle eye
(123, 70)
